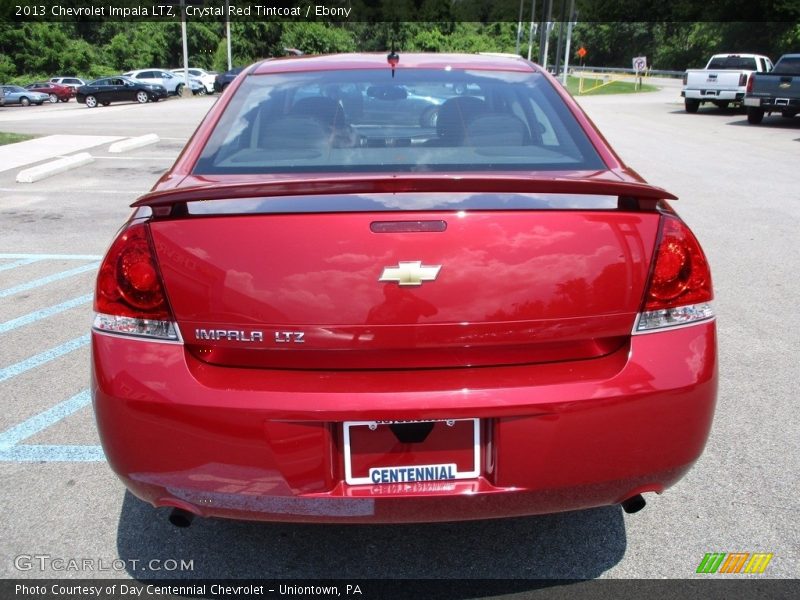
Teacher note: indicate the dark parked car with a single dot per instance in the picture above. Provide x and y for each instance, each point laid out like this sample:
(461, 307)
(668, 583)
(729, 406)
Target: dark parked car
(54, 91)
(119, 89)
(223, 80)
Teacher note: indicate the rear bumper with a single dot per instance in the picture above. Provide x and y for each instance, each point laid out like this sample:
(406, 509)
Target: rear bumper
(267, 445)
(713, 95)
(773, 103)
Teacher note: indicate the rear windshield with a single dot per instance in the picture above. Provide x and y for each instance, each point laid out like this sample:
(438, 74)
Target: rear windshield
(735, 63)
(416, 120)
(788, 65)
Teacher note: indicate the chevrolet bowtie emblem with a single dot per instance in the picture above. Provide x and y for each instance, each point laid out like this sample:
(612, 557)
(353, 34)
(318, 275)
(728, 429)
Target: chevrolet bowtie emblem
(410, 273)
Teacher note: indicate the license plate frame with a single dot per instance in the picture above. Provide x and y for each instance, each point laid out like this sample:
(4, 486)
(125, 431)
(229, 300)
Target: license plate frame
(357, 479)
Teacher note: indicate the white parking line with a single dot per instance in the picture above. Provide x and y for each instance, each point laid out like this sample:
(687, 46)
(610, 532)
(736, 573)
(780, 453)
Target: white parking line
(10, 450)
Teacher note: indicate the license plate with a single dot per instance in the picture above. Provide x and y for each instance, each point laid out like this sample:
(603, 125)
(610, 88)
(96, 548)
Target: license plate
(752, 101)
(382, 452)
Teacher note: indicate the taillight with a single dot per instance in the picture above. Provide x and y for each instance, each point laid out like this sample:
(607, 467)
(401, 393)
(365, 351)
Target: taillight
(130, 297)
(685, 78)
(749, 84)
(743, 78)
(679, 291)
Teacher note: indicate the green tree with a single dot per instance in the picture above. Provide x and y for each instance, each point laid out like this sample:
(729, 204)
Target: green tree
(317, 38)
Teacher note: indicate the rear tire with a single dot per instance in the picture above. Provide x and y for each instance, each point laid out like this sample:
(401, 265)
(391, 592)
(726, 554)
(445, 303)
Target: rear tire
(755, 115)
(65, 99)
(691, 105)
(24, 101)
(141, 97)
(91, 101)
(429, 117)
(179, 90)
(106, 103)
(53, 98)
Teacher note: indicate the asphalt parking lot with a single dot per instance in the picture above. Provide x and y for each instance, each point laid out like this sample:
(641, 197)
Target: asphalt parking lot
(738, 191)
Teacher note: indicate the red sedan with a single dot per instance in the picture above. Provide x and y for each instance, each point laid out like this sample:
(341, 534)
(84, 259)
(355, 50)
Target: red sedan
(330, 311)
(56, 91)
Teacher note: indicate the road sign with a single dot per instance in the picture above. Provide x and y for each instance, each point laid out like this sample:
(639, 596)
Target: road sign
(640, 64)
(581, 51)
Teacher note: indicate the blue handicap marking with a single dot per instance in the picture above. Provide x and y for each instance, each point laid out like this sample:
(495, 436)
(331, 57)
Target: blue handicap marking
(12, 451)
(12, 446)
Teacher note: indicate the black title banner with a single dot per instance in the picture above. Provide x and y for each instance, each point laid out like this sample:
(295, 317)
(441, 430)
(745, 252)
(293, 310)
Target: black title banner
(398, 10)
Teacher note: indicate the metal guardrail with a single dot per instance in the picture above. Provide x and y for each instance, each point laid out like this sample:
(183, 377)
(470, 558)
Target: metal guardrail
(649, 72)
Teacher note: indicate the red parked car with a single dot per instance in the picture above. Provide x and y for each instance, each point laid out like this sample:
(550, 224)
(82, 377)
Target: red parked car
(322, 313)
(56, 92)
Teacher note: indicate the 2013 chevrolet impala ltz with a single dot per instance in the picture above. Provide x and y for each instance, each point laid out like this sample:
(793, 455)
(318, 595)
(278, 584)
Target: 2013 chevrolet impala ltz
(404, 288)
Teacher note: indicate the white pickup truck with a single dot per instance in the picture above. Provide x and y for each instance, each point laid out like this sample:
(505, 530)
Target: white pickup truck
(724, 80)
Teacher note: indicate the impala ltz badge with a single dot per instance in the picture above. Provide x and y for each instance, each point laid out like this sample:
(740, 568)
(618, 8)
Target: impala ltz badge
(410, 273)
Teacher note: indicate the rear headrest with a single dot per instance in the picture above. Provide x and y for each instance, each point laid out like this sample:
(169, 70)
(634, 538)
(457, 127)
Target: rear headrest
(293, 133)
(496, 130)
(454, 115)
(327, 111)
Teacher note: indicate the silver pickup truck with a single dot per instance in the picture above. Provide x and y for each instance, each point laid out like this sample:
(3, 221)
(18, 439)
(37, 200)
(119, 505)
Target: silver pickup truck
(776, 91)
(723, 81)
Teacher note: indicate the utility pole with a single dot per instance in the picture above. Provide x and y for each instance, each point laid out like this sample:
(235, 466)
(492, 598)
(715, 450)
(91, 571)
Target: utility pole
(228, 35)
(569, 41)
(544, 43)
(532, 30)
(559, 44)
(519, 26)
(187, 89)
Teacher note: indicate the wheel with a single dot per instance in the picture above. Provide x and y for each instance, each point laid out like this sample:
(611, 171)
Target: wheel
(65, 99)
(53, 98)
(691, 105)
(24, 101)
(202, 91)
(429, 117)
(91, 101)
(141, 97)
(106, 103)
(788, 114)
(225, 87)
(754, 115)
(721, 104)
(155, 99)
(179, 90)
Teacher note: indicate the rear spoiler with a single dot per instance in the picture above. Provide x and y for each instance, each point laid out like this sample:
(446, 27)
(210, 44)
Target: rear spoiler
(376, 184)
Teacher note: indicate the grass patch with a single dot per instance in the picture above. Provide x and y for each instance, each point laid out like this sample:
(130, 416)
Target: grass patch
(13, 138)
(615, 87)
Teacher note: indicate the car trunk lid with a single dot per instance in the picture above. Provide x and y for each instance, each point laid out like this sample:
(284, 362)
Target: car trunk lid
(501, 283)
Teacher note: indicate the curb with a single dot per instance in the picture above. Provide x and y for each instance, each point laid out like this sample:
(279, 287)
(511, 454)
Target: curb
(131, 143)
(54, 167)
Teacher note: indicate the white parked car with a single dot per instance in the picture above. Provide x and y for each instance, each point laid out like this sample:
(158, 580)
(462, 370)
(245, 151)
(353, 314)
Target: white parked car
(73, 82)
(173, 82)
(206, 77)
